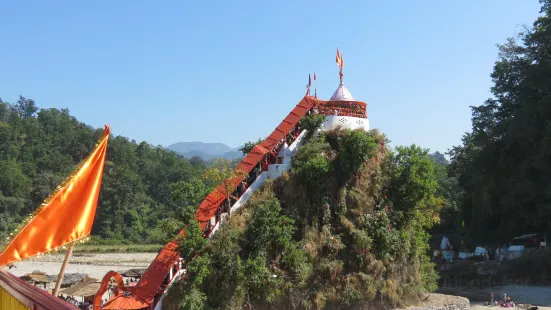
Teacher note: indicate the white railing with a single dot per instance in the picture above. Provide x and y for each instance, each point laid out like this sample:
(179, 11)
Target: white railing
(273, 172)
(174, 277)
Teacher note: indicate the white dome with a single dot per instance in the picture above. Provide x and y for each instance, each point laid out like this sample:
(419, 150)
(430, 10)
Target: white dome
(342, 94)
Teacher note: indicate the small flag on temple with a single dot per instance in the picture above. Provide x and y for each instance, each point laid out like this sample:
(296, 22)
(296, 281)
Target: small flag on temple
(309, 80)
(339, 59)
(314, 76)
(66, 216)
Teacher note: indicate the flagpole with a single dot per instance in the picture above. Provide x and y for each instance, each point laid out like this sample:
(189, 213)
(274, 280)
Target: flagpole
(315, 86)
(62, 270)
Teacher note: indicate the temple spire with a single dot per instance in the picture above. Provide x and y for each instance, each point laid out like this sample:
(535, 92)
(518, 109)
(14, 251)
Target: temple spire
(341, 94)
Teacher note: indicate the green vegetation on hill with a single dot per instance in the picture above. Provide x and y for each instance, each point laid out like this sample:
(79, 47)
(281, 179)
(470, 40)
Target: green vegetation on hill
(503, 166)
(347, 227)
(143, 186)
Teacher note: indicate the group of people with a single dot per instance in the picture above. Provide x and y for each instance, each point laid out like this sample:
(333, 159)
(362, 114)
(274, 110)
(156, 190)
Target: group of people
(502, 301)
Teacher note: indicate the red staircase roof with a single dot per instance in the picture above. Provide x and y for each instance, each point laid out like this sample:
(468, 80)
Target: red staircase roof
(208, 207)
(155, 274)
(149, 284)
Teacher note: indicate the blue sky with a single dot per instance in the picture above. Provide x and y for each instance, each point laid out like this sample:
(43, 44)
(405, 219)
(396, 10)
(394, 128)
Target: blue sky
(229, 71)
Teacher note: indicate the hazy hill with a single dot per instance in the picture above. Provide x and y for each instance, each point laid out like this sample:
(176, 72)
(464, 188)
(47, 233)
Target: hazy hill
(39, 148)
(204, 150)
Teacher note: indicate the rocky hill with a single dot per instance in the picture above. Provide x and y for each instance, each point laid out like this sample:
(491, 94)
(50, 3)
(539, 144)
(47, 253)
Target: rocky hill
(345, 229)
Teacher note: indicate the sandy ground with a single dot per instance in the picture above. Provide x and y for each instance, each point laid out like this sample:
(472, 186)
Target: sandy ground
(522, 294)
(95, 265)
(434, 300)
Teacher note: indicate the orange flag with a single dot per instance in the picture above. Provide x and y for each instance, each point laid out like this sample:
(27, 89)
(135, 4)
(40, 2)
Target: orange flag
(339, 59)
(66, 216)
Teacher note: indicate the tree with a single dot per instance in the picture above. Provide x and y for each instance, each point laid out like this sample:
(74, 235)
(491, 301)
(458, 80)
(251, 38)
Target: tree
(412, 185)
(439, 158)
(248, 146)
(502, 165)
(312, 123)
(188, 193)
(26, 107)
(448, 190)
(222, 173)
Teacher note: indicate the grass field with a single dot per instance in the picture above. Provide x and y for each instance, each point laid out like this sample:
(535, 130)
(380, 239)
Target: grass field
(123, 248)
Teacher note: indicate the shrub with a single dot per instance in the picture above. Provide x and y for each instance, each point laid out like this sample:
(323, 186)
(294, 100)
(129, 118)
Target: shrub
(312, 123)
(295, 261)
(269, 232)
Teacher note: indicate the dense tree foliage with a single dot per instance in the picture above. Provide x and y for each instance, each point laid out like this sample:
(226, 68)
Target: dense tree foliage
(143, 186)
(503, 165)
(450, 192)
(346, 227)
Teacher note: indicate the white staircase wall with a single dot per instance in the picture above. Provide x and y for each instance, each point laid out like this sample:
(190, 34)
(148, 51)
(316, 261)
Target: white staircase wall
(274, 171)
(180, 274)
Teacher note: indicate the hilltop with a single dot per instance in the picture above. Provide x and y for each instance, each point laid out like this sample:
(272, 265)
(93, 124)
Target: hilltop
(346, 227)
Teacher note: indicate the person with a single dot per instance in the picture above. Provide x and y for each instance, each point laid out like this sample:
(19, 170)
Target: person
(498, 254)
(445, 244)
(243, 188)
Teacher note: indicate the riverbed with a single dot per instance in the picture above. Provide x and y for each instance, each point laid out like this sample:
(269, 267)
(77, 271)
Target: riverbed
(94, 265)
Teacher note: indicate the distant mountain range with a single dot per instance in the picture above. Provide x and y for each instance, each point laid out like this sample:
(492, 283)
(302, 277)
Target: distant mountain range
(206, 151)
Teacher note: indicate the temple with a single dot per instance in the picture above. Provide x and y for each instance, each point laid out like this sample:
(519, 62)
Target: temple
(267, 160)
(342, 110)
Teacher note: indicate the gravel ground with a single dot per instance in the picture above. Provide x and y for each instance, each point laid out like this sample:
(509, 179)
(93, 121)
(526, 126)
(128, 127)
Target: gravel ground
(435, 300)
(95, 265)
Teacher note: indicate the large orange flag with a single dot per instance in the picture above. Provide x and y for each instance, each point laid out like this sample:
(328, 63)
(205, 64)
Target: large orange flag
(66, 216)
